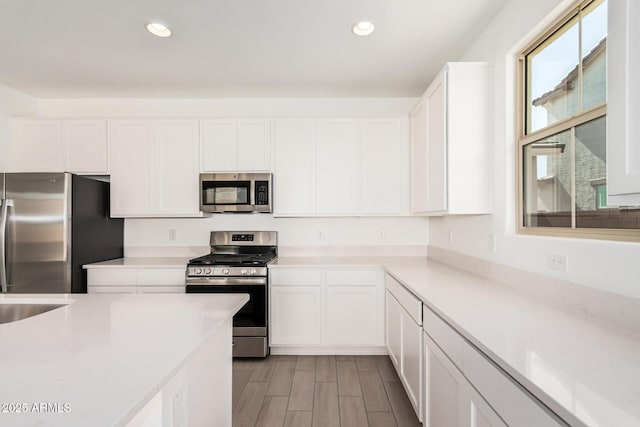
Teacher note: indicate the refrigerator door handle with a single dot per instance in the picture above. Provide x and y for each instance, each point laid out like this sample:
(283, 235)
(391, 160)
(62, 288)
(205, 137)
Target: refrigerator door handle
(4, 217)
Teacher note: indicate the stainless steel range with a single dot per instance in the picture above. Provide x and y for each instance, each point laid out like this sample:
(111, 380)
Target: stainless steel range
(238, 264)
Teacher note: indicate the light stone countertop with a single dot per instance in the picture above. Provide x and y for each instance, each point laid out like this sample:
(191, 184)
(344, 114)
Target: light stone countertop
(103, 356)
(141, 262)
(584, 369)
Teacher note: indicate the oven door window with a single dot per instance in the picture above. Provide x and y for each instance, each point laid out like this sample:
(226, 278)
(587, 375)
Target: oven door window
(226, 193)
(254, 312)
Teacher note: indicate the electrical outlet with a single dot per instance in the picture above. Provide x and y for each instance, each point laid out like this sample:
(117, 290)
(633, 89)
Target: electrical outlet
(172, 234)
(321, 234)
(558, 262)
(381, 235)
(178, 403)
(451, 237)
(492, 243)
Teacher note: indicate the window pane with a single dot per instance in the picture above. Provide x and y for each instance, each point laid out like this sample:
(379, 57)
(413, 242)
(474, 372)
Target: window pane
(553, 91)
(594, 55)
(591, 181)
(547, 182)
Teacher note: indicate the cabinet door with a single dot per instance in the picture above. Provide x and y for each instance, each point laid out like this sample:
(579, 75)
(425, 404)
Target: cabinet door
(623, 105)
(393, 329)
(132, 167)
(351, 315)
(295, 315)
(450, 400)
(254, 145)
(295, 168)
(37, 146)
(411, 360)
(176, 175)
(219, 146)
(336, 163)
(480, 413)
(85, 146)
(443, 389)
(436, 150)
(384, 167)
(419, 158)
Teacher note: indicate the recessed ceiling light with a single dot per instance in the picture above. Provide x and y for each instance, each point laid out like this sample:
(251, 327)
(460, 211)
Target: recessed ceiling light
(363, 28)
(158, 29)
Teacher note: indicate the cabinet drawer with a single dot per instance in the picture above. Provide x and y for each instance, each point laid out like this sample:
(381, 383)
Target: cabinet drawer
(295, 277)
(352, 277)
(111, 277)
(161, 289)
(407, 300)
(515, 405)
(161, 277)
(111, 290)
(451, 343)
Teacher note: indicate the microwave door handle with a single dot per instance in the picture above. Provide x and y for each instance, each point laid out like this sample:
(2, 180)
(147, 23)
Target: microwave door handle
(252, 192)
(4, 214)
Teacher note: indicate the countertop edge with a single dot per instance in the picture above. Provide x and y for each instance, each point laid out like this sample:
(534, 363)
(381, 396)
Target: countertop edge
(172, 372)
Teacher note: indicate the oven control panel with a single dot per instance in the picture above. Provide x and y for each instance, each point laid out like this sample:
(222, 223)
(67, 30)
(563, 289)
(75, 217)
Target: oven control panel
(204, 271)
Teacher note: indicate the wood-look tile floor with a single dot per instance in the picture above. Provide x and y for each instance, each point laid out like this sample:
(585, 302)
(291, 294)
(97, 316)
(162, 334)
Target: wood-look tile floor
(319, 391)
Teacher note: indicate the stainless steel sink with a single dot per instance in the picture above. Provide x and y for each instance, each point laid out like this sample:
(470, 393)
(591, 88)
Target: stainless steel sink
(18, 311)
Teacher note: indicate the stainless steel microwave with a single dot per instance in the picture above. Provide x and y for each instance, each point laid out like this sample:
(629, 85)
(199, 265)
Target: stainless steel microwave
(235, 192)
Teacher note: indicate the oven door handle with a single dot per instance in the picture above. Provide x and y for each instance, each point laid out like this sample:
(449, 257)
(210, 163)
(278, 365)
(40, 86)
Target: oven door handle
(227, 281)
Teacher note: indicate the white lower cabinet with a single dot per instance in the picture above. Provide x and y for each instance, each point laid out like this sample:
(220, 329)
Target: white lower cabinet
(322, 309)
(450, 399)
(411, 360)
(464, 389)
(350, 312)
(393, 325)
(136, 280)
(296, 315)
(404, 339)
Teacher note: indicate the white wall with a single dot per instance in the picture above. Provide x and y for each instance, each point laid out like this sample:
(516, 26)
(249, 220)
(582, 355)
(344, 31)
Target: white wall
(292, 231)
(605, 265)
(12, 103)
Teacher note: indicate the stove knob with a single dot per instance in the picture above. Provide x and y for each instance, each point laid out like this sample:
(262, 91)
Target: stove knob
(198, 271)
(254, 271)
(207, 271)
(225, 271)
(243, 271)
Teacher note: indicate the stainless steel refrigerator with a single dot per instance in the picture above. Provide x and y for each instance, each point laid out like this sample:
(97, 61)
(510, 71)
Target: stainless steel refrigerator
(50, 225)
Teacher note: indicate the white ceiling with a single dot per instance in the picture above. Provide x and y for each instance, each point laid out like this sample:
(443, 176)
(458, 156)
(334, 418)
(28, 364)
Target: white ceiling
(232, 48)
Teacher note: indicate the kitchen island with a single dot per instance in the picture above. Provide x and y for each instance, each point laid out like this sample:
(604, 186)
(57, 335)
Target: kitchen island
(119, 360)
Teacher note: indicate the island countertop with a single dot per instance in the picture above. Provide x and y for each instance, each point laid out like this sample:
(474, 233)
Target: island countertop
(99, 359)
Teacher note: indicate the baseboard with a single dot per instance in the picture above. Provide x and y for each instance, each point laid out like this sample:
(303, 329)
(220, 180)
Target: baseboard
(323, 351)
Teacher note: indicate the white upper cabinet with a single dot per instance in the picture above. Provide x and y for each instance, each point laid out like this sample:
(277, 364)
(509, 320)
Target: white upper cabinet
(341, 167)
(254, 145)
(154, 168)
(295, 168)
(451, 143)
(229, 145)
(54, 145)
(385, 171)
(177, 168)
(132, 167)
(85, 146)
(623, 103)
(336, 174)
